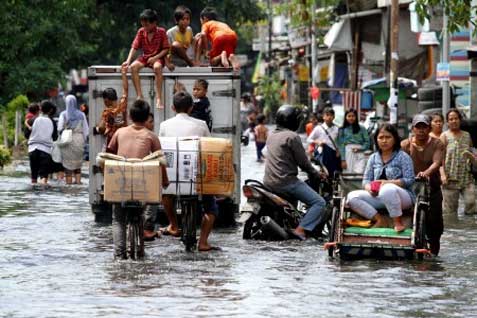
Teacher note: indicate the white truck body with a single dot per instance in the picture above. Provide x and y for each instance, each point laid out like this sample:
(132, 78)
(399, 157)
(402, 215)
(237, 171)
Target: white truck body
(223, 93)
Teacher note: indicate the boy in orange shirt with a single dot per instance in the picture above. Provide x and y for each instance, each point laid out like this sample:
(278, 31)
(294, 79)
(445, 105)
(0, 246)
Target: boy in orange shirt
(222, 38)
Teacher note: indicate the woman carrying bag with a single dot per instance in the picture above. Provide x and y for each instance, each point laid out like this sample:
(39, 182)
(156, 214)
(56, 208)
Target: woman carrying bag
(72, 151)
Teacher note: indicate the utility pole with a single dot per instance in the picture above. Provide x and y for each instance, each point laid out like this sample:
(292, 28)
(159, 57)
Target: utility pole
(445, 60)
(270, 32)
(473, 70)
(313, 51)
(394, 67)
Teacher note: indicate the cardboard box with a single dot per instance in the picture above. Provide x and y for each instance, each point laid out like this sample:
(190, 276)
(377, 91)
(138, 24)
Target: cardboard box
(127, 181)
(217, 174)
(209, 172)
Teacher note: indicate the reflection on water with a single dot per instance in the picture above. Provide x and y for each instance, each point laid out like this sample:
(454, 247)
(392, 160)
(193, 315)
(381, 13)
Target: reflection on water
(56, 262)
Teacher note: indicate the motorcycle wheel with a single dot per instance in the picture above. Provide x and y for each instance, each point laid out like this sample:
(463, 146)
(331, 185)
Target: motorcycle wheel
(248, 227)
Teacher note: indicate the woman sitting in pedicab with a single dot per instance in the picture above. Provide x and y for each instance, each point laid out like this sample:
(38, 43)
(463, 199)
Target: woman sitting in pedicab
(387, 181)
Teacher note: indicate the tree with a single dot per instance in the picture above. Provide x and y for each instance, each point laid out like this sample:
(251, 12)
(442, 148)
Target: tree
(300, 12)
(43, 40)
(39, 39)
(460, 12)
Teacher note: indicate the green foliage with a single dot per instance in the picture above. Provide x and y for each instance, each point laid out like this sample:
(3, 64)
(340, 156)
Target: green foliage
(300, 12)
(5, 157)
(460, 12)
(43, 39)
(18, 103)
(40, 39)
(269, 88)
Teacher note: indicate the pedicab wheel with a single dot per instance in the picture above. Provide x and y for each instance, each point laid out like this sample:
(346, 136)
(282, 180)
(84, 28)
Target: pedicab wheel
(333, 228)
(421, 241)
(189, 211)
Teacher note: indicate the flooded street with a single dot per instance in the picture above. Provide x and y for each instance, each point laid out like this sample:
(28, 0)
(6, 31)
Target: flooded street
(56, 261)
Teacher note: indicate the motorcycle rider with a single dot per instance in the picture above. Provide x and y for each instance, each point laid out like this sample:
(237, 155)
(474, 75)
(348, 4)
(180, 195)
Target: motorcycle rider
(285, 154)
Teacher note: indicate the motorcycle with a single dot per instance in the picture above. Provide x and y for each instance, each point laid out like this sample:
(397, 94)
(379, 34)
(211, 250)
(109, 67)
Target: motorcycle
(270, 216)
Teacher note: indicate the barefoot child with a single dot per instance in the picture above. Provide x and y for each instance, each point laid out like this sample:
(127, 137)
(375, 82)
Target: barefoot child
(261, 134)
(222, 38)
(181, 38)
(134, 141)
(114, 115)
(152, 40)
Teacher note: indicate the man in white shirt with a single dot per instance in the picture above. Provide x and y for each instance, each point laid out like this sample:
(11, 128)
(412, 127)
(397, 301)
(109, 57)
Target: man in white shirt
(324, 136)
(182, 125)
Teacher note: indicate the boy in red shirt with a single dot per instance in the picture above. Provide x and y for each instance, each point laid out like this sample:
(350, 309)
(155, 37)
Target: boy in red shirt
(222, 38)
(152, 40)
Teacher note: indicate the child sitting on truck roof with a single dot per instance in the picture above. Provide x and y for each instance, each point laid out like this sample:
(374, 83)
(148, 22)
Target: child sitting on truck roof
(181, 38)
(152, 40)
(222, 38)
(134, 141)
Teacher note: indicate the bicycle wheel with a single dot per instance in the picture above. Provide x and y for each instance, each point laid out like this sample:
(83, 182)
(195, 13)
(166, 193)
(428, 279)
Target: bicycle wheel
(189, 210)
(131, 239)
(135, 239)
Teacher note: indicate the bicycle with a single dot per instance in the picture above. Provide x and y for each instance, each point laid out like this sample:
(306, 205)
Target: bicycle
(187, 207)
(134, 228)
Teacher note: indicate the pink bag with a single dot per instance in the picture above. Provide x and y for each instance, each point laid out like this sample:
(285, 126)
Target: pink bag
(375, 186)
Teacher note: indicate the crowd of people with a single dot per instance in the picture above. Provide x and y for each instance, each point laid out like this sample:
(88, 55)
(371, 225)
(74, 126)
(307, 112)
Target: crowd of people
(388, 164)
(44, 134)
(444, 158)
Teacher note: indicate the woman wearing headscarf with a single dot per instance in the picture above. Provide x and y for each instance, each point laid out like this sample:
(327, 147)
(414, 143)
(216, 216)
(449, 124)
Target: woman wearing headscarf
(72, 153)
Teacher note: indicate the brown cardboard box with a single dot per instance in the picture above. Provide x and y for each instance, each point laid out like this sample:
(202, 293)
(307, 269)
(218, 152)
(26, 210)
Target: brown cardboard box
(210, 172)
(127, 181)
(217, 175)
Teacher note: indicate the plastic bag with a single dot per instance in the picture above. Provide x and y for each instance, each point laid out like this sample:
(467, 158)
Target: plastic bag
(66, 137)
(56, 153)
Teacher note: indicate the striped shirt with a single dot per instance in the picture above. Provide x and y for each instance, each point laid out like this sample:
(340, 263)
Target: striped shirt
(151, 47)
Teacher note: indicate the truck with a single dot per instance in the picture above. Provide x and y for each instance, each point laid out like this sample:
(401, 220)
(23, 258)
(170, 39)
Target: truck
(224, 97)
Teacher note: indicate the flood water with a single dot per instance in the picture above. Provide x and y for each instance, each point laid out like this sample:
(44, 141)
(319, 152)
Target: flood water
(55, 261)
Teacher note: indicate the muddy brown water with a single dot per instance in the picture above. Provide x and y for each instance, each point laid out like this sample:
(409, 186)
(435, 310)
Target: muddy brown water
(55, 261)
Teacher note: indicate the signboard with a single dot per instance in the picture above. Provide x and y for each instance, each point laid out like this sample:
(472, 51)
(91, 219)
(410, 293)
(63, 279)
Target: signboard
(428, 38)
(299, 37)
(443, 72)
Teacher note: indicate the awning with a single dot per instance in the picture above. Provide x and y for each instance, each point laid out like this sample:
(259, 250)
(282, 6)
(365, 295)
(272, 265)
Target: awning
(338, 38)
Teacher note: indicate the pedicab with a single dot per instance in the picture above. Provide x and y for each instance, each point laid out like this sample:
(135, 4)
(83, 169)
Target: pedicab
(353, 237)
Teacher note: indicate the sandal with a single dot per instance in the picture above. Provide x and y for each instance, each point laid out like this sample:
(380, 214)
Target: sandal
(165, 231)
(212, 248)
